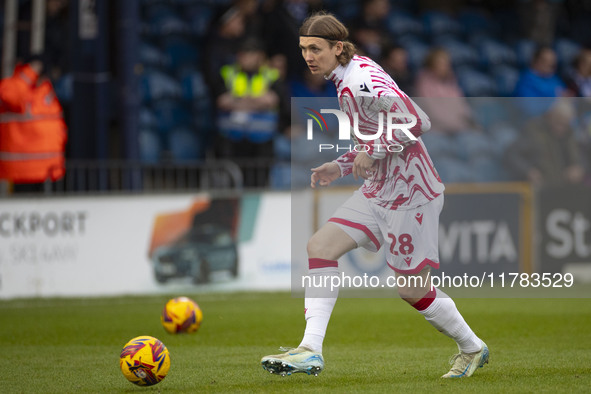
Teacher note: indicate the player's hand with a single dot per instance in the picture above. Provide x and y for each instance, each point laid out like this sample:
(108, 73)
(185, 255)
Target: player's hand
(325, 174)
(363, 166)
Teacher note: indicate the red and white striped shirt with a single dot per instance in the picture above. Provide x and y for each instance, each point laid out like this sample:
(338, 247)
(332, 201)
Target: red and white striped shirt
(402, 180)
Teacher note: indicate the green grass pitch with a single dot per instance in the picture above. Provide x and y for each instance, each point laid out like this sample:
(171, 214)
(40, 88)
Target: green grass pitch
(373, 345)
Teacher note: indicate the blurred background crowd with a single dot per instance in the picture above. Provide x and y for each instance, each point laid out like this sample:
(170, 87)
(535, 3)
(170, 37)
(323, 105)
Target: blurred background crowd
(506, 83)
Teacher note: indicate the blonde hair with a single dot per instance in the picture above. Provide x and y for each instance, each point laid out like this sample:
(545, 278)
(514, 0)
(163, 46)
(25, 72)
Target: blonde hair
(327, 26)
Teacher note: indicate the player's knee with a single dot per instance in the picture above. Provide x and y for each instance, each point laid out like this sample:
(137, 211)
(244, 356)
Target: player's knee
(412, 292)
(407, 294)
(316, 248)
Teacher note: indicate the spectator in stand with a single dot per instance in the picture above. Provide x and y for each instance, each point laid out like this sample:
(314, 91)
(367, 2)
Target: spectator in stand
(547, 153)
(32, 129)
(540, 80)
(579, 84)
(538, 20)
(253, 20)
(395, 63)
(446, 105)
(374, 14)
(223, 41)
(368, 40)
(248, 105)
(367, 30)
(281, 20)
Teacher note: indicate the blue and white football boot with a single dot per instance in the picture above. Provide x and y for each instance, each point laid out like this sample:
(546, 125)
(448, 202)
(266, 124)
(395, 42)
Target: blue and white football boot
(464, 364)
(292, 361)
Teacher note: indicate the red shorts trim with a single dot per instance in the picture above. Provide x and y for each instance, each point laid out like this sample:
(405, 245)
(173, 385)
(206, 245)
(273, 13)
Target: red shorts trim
(358, 226)
(418, 268)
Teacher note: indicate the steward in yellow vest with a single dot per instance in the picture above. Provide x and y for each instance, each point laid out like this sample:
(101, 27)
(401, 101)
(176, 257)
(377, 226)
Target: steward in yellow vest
(249, 106)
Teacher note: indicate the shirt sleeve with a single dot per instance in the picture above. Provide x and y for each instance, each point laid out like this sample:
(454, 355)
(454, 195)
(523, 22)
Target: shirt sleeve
(376, 94)
(345, 162)
(412, 119)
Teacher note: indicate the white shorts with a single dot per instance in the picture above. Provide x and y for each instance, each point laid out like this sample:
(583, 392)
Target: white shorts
(410, 236)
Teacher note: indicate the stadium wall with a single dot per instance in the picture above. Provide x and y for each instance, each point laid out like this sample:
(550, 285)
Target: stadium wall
(110, 245)
(99, 246)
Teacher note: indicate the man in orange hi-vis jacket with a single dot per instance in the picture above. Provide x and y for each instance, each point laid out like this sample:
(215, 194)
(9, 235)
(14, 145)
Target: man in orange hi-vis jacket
(32, 127)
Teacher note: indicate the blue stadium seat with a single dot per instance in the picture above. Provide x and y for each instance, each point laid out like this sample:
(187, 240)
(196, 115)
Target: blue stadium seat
(417, 50)
(506, 78)
(185, 145)
(203, 113)
(168, 23)
(306, 152)
(348, 9)
(150, 145)
(486, 169)
(152, 56)
(502, 135)
(507, 18)
(183, 3)
(147, 119)
(156, 85)
(461, 53)
(477, 21)
(439, 24)
(280, 176)
(566, 51)
(282, 147)
(199, 17)
(153, 10)
(470, 145)
(452, 170)
(402, 24)
(493, 52)
(171, 114)
(439, 145)
(182, 51)
(408, 6)
(475, 83)
(193, 85)
(489, 111)
(524, 49)
(476, 38)
(204, 123)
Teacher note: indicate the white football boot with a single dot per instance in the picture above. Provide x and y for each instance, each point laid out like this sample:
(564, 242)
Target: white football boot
(296, 360)
(464, 364)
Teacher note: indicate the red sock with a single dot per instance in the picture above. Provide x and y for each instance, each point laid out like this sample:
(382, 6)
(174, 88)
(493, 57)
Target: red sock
(426, 301)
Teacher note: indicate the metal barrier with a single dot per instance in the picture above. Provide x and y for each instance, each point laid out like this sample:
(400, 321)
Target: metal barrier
(120, 176)
(123, 176)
